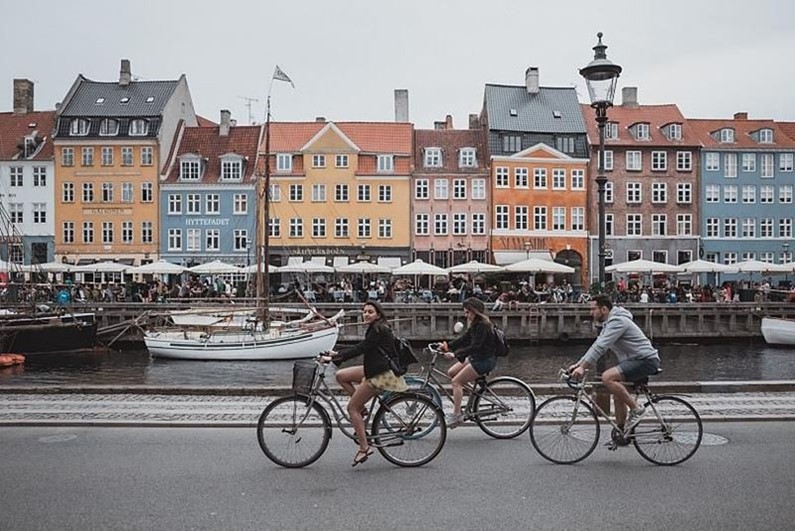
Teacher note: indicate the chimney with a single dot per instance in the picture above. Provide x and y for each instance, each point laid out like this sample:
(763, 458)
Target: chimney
(448, 122)
(474, 121)
(23, 96)
(741, 116)
(401, 105)
(125, 76)
(629, 97)
(226, 123)
(531, 80)
(438, 126)
(320, 119)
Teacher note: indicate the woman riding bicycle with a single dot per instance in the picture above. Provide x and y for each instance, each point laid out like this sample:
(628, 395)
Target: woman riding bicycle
(475, 351)
(372, 377)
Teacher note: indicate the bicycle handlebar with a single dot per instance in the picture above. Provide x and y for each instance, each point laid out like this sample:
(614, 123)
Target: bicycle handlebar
(565, 376)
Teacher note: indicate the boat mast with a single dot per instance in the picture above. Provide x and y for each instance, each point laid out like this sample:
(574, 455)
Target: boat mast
(263, 216)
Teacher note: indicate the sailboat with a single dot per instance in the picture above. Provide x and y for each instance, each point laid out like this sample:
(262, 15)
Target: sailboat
(260, 338)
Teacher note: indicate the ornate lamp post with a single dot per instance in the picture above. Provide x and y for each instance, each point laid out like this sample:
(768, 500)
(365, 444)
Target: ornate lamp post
(601, 77)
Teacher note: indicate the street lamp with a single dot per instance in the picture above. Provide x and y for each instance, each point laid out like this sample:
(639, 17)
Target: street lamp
(601, 77)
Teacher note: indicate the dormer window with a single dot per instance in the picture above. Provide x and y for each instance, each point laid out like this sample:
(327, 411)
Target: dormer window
(125, 100)
(150, 99)
(727, 136)
(466, 158)
(109, 127)
(190, 168)
(765, 136)
(386, 163)
(139, 127)
(611, 131)
(675, 132)
(30, 146)
(231, 168)
(79, 127)
(433, 157)
(642, 131)
(99, 101)
(284, 162)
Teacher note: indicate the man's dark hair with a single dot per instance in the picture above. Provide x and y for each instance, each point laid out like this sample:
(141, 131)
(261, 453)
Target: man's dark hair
(603, 301)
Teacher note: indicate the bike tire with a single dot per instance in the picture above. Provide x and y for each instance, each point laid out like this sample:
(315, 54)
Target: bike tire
(564, 430)
(409, 429)
(294, 432)
(505, 408)
(672, 438)
(419, 385)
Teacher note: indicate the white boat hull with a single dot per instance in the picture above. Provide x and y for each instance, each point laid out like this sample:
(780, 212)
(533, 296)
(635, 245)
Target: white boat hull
(778, 331)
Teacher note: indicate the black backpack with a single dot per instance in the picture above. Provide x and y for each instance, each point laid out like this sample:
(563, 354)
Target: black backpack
(405, 356)
(501, 347)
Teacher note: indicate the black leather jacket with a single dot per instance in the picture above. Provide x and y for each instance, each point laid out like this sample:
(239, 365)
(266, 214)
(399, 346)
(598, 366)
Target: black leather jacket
(378, 342)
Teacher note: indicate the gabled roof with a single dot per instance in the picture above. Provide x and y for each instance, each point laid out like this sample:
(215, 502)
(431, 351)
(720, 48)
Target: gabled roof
(86, 93)
(788, 128)
(15, 127)
(206, 142)
(450, 141)
(535, 113)
(657, 116)
(539, 151)
(205, 122)
(370, 137)
(704, 128)
(335, 130)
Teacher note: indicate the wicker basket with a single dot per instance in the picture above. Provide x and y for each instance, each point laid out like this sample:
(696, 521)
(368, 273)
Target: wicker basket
(304, 376)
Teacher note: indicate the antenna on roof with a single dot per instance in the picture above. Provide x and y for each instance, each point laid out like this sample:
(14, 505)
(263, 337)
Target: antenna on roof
(249, 101)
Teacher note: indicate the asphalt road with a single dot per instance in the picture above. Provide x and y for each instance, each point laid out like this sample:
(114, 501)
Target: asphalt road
(217, 478)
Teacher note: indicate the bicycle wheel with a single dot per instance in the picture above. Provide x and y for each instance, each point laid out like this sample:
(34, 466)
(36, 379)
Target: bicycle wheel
(292, 433)
(505, 408)
(671, 435)
(409, 429)
(419, 385)
(564, 430)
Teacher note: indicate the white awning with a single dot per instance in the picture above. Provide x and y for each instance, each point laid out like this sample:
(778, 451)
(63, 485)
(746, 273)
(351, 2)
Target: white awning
(295, 260)
(503, 258)
(319, 260)
(392, 262)
(340, 261)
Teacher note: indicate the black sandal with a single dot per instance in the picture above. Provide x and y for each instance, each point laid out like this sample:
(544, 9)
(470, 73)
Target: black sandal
(361, 456)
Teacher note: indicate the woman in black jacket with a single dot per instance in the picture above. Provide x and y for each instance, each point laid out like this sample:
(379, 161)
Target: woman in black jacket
(475, 352)
(372, 377)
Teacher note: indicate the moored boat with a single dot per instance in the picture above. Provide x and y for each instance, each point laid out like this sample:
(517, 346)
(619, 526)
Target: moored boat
(47, 332)
(777, 331)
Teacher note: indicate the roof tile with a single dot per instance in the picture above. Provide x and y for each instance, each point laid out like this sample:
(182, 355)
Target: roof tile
(15, 127)
(210, 145)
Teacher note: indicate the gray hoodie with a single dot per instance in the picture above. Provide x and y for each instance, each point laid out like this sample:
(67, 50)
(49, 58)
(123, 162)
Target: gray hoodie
(621, 335)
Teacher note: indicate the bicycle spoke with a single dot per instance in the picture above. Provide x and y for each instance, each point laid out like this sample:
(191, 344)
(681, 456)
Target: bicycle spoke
(505, 408)
(409, 430)
(293, 432)
(560, 435)
(669, 433)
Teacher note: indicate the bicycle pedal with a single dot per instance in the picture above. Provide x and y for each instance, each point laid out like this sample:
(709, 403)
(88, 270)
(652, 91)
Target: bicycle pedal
(612, 446)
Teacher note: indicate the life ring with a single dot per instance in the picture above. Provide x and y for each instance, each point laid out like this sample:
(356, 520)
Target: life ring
(7, 360)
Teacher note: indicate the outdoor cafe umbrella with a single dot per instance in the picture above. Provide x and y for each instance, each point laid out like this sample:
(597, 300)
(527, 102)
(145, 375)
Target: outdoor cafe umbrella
(537, 265)
(642, 266)
(253, 269)
(704, 266)
(474, 267)
(48, 267)
(755, 266)
(102, 267)
(306, 267)
(418, 267)
(363, 267)
(160, 267)
(216, 267)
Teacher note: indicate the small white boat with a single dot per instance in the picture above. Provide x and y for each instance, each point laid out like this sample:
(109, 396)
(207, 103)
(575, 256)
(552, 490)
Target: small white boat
(778, 331)
(225, 316)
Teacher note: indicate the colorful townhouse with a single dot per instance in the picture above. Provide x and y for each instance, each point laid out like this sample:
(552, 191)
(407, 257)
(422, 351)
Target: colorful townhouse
(538, 151)
(26, 180)
(207, 194)
(450, 199)
(747, 182)
(112, 142)
(340, 191)
(651, 197)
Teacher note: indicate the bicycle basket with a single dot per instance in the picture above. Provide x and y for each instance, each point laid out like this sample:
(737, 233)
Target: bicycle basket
(304, 376)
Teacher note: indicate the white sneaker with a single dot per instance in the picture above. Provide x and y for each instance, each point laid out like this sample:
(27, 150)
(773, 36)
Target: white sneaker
(633, 418)
(454, 421)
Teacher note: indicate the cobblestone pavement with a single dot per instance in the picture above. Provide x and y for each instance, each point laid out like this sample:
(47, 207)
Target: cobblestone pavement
(243, 411)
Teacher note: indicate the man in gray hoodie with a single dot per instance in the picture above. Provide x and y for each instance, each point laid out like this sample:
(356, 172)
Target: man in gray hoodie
(636, 357)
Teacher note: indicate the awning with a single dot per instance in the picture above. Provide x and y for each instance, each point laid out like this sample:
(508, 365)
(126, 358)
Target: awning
(503, 258)
(319, 260)
(340, 261)
(84, 261)
(126, 261)
(295, 260)
(392, 262)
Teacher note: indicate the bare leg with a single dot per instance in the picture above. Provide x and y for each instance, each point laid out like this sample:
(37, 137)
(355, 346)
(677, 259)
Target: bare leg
(464, 376)
(455, 369)
(614, 382)
(363, 393)
(348, 376)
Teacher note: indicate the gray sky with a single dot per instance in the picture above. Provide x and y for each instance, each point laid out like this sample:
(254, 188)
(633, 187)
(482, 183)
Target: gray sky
(711, 57)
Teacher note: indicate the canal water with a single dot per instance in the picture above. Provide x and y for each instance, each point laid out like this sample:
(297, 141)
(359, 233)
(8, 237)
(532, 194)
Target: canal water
(535, 364)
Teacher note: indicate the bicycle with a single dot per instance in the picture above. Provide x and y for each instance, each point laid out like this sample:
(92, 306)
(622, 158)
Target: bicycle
(565, 429)
(502, 407)
(294, 431)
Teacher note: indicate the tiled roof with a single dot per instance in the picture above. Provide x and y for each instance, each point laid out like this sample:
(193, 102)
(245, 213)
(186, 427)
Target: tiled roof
(210, 145)
(657, 116)
(370, 137)
(450, 141)
(535, 113)
(742, 134)
(205, 122)
(15, 127)
(788, 128)
(84, 100)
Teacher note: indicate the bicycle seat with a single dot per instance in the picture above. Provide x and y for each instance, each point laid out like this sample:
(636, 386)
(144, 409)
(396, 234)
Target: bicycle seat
(645, 379)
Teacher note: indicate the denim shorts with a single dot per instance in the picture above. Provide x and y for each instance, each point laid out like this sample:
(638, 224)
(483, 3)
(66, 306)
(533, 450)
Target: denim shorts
(483, 365)
(636, 369)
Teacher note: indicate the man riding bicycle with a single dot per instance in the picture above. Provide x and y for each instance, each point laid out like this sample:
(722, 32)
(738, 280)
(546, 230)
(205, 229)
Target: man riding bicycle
(637, 358)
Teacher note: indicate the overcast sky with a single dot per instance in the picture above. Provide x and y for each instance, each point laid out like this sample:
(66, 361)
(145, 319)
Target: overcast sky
(711, 57)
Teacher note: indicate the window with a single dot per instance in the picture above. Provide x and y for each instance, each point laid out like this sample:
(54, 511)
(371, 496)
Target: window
(68, 192)
(540, 218)
(730, 258)
(785, 257)
(318, 192)
(126, 232)
(609, 225)
(16, 176)
(634, 194)
(189, 170)
(634, 161)
(107, 156)
(384, 228)
(107, 232)
(642, 131)
(608, 159)
(765, 136)
(785, 228)
(749, 193)
(675, 131)
(520, 178)
(318, 227)
(659, 193)
(212, 204)
(126, 156)
(78, 127)
(749, 228)
(88, 192)
(231, 170)
(749, 162)
(421, 224)
(540, 178)
(661, 257)
(440, 188)
(766, 192)
(713, 227)
(730, 227)
(478, 189)
(767, 166)
(729, 193)
(578, 218)
(785, 194)
(713, 162)
(296, 192)
(608, 192)
(459, 189)
(296, 228)
(712, 193)
(684, 224)
(126, 192)
(459, 224)
(212, 240)
(440, 224)
(611, 131)
(67, 156)
(363, 193)
(785, 161)
(659, 160)
(578, 179)
(466, 158)
(174, 203)
(363, 228)
(727, 136)
(194, 204)
(479, 223)
(501, 174)
(275, 193)
(558, 179)
(275, 228)
(240, 204)
(107, 192)
(767, 257)
(558, 218)
(634, 224)
(421, 189)
(241, 240)
(88, 232)
(147, 192)
(15, 211)
(318, 161)
(68, 231)
(386, 163)
(730, 164)
(684, 161)
(139, 127)
(341, 228)
(385, 193)
(341, 161)
(659, 224)
(433, 158)
(766, 228)
(174, 239)
(684, 193)
(501, 217)
(565, 144)
(108, 127)
(284, 162)
(520, 216)
(511, 143)
(341, 193)
(88, 156)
